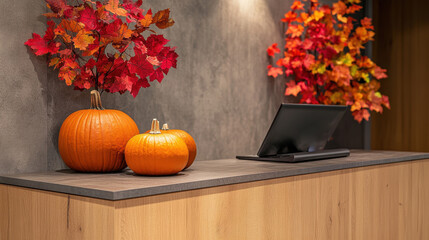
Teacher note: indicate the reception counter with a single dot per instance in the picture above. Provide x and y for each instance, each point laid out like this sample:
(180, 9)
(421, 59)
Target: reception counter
(369, 195)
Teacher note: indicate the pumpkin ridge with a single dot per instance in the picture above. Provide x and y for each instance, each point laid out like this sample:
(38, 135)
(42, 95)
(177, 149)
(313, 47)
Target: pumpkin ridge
(76, 130)
(154, 160)
(143, 139)
(88, 115)
(83, 139)
(89, 136)
(103, 158)
(114, 152)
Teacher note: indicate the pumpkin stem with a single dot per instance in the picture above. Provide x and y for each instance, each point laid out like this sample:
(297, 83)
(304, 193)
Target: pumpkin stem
(96, 100)
(165, 126)
(155, 127)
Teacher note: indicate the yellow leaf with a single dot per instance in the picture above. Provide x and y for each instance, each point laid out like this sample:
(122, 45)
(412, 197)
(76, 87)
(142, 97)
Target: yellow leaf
(319, 69)
(336, 97)
(318, 15)
(365, 77)
(378, 94)
(341, 18)
(356, 106)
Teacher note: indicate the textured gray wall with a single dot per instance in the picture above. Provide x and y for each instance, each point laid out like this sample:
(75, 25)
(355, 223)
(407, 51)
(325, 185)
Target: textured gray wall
(219, 93)
(23, 93)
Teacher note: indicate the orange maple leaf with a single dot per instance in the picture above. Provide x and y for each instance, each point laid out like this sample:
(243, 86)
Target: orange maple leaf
(67, 75)
(147, 20)
(295, 30)
(82, 40)
(353, 8)
(297, 5)
(292, 88)
(366, 23)
(162, 19)
(71, 25)
(59, 31)
(54, 62)
(113, 7)
(339, 8)
(302, 18)
(124, 32)
(361, 114)
(274, 71)
(289, 17)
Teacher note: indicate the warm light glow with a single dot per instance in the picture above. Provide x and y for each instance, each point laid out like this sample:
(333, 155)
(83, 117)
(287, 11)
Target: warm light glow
(248, 5)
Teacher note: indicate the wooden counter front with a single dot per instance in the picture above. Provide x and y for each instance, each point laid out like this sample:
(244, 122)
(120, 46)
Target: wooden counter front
(389, 201)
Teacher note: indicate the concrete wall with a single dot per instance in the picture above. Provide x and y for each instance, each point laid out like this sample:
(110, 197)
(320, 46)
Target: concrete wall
(23, 93)
(219, 93)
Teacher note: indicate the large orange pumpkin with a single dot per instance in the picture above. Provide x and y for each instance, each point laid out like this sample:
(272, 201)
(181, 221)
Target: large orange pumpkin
(156, 153)
(93, 140)
(190, 143)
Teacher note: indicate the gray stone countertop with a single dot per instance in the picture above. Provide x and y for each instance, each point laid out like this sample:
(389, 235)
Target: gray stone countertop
(202, 174)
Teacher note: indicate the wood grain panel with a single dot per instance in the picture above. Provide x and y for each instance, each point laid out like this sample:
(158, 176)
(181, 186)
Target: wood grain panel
(378, 202)
(33, 214)
(381, 202)
(402, 47)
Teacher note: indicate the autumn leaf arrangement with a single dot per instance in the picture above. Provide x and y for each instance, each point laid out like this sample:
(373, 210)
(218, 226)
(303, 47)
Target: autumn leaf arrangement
(107, 45)
(323, 55)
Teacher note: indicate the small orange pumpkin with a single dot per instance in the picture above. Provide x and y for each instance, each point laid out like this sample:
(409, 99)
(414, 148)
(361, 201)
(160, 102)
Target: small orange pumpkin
(156, 153)
(93, 140)
(190, 143)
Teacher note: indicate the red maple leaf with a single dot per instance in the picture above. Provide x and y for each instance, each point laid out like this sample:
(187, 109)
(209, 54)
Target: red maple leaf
(49, 34)
(86, 30)
(157, 75)
(58, 6)
(135, 13)
(123, 83)
(139, 65)
(141, 83)
(40, 46)
(155, 44)
(168, 58)
(88, 17)
(273, 49)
